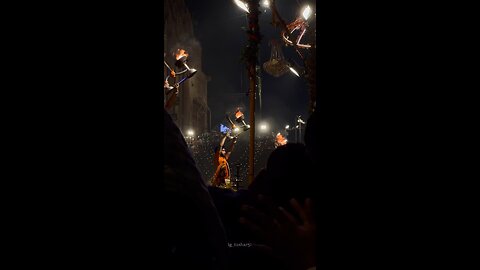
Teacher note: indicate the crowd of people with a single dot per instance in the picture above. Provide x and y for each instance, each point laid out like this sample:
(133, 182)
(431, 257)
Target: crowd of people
(269, 225)
(203, 148)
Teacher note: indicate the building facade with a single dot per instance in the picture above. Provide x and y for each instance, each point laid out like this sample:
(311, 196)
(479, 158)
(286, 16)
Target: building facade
(191, 111)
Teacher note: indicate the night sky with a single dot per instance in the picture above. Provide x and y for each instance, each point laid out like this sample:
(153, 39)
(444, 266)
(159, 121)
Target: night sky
(218, 26)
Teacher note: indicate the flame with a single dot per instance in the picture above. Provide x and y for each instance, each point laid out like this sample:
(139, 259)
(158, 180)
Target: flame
(280, 140)
(238, 114)
(180, 53)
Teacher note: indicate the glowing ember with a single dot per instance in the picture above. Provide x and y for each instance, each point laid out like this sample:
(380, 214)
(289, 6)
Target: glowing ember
(280, 140)
(238, 114)
(180, 53)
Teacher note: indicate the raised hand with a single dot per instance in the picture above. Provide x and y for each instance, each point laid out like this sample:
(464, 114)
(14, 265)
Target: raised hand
(291, 240)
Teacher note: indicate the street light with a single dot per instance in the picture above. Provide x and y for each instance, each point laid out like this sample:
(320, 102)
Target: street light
(299, 126)
(307, 12)
(242, 5)
(263, 127)
(265, 5)
(295, 68)
(299, 120)
(294, 71)
(190, 137)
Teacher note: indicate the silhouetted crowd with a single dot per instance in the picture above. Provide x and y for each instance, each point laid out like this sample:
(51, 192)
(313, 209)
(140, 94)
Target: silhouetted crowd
(270, 225)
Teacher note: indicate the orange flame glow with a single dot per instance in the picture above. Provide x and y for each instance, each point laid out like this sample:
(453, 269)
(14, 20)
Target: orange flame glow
(238, 114)
(280, 140)
(180, 53)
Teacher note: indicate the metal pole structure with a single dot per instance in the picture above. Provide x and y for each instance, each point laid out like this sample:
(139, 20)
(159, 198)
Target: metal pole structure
(259, 86)
(252, 58)
(259, 80)
(251, 149)
(300, 132)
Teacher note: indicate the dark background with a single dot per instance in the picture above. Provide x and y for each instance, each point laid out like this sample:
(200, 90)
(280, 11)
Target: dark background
(84, 155)
(218, 26)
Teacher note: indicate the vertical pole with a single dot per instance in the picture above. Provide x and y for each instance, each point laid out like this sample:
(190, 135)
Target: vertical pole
(295, 126)
(259, 86)
(252, 58)
(251, 149)
(300, 132)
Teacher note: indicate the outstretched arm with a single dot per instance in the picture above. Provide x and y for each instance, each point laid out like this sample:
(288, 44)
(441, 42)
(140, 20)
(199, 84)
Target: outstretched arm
(222, 141)
(234, 141)
(172, 98)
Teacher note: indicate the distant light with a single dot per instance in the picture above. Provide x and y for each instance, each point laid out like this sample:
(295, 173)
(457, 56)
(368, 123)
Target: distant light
(190, 132)
(242, 5)
(266, 3)
(236, 129)
(296, 126)
(263, 127)
(287, 126)
(294, 71)
(307, 12)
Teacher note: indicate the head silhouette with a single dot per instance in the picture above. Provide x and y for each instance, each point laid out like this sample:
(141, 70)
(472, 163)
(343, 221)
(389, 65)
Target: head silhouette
(290, 171)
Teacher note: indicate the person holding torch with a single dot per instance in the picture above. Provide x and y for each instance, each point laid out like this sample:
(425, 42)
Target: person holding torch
(221, 177)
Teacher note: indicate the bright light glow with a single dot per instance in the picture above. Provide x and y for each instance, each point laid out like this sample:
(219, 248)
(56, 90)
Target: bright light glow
(307, 12)
(263, 127)
(294, 71)
(242, 5)
(266, 3)
(287, 126)
(296, 126)
(190, 132)
(236, 129)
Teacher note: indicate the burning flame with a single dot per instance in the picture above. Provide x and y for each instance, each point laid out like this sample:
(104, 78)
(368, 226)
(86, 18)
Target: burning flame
(238, 114)
(180, 53)
(280, 140)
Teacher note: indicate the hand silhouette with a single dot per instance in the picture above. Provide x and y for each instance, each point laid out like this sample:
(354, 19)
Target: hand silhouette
(290, 239)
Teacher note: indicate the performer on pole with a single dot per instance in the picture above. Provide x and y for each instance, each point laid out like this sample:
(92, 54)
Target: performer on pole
(222, 175)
